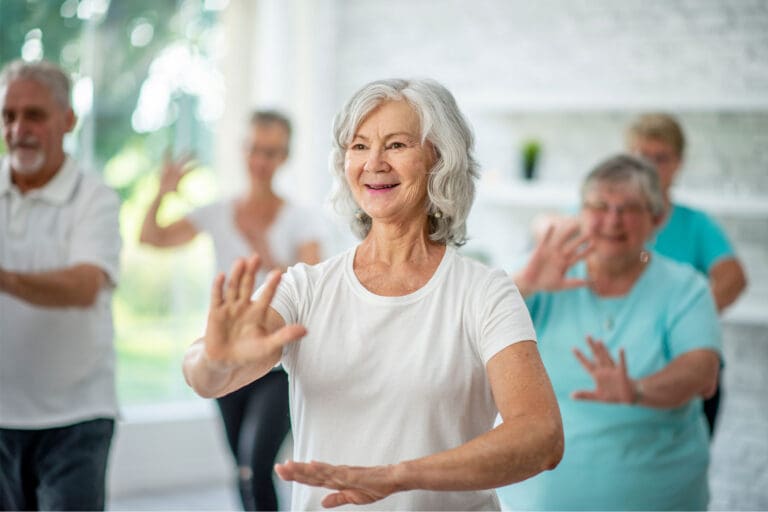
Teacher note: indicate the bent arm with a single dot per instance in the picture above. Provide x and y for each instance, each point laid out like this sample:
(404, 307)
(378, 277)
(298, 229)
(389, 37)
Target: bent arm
(173, 235)
(688, 376)
(528, 441)
(76, 286)
(727, 281)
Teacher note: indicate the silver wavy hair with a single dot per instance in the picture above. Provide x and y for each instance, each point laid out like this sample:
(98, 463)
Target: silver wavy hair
(45, 73)
(451, 183)
(623, 168)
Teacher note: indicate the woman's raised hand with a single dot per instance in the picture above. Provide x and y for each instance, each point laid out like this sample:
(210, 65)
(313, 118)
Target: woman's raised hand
(173, 171)
(239, 330)
(612, 382)
(559, 248)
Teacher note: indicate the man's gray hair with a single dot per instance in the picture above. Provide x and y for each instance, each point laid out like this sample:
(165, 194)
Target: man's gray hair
(451, 185)
(47, 74)
(623, 168)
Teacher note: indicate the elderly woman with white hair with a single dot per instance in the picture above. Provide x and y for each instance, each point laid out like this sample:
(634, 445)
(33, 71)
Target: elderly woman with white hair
(400, 351)
(635, 435)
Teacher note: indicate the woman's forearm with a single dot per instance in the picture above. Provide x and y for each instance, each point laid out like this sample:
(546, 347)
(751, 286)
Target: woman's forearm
(514, 451)
(691, 375)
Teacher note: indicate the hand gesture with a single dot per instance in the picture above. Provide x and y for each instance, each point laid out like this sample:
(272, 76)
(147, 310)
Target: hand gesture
(559, 248)
(354, 485)
(612, 382)
(173, 171)
(238, 330)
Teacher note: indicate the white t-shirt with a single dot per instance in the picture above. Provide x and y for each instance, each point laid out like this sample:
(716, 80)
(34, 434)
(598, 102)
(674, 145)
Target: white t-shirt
(292, 227)
(379, 380)
(57, 364)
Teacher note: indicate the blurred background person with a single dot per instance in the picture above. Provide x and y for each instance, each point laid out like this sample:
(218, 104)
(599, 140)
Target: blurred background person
(400, 351)
(256, 417)
(686, 234)
(631, 340)
(59, 258)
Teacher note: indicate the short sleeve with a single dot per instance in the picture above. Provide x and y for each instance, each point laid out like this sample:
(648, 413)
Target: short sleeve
(286, 299)
(96, 236)
(693, 322)
(504, 318)
(204, 217)
(713, 242)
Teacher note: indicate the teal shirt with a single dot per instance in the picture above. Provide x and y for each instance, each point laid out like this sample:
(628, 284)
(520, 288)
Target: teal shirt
(622, 457)
(693, 237)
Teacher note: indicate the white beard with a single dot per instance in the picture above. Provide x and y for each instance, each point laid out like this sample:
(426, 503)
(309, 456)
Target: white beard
(27, 161)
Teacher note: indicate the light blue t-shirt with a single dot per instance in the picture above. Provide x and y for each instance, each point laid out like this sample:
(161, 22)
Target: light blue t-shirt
(693, 237)
(623, 457)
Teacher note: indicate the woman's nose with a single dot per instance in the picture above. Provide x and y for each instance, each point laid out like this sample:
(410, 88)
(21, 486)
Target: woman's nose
(376, 162)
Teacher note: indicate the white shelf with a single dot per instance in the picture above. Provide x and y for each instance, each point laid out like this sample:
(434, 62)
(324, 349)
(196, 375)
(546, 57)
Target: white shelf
(533, 195)
(749, 312)
(536, 102)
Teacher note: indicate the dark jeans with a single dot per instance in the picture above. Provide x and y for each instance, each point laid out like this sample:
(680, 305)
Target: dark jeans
(60, 468)
(257, 419)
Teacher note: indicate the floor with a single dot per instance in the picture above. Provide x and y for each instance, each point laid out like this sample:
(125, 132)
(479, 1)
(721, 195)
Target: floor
(739, 467)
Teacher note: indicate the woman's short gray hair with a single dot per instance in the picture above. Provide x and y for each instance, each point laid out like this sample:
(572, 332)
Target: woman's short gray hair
(451, 185)
(45, 73)
(623, 168)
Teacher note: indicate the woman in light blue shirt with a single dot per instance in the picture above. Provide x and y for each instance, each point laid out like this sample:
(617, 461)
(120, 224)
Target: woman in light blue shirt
(631, 341)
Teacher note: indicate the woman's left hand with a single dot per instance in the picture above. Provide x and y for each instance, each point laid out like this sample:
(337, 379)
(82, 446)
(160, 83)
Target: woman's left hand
(354, 485)
(612, 383)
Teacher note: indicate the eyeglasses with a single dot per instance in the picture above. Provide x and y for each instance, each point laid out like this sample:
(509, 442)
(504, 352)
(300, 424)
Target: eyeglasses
(626, 209)
(265, 152)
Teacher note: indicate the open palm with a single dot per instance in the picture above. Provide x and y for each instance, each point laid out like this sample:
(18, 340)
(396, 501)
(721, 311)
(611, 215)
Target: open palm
(612, 382)
(239, 330)
(173, 171)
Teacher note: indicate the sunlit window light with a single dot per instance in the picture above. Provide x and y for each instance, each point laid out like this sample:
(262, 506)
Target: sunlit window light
(68, 9)
(82, 96)
(92, 9)
(215, 5)
(32, 50)
(177, 69)
(142, 33)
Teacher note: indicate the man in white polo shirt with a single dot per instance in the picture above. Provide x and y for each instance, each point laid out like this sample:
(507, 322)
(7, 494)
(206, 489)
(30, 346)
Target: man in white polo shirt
(59, 255)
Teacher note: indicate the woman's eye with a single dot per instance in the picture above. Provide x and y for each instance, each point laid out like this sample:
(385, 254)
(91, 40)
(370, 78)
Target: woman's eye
(397, 145)
(357, 146)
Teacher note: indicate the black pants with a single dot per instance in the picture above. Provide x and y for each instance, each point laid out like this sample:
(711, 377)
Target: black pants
(257, 419)
(56, 468)
(711, 406)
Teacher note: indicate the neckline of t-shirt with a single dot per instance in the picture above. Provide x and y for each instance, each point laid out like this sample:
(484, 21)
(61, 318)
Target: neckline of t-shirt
(281, 213)
(410, 298)
(620, 300)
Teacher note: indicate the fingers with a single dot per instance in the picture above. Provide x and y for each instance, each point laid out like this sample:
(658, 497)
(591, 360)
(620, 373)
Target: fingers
(233, 286)
(249, 277)
(568, 284)
(585, 362)
(584, 395)
(268, 293)
(217, 294)
(602, 356)
(286, 335)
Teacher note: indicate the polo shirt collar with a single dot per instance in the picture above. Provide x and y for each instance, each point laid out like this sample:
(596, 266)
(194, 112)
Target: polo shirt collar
(57, 191)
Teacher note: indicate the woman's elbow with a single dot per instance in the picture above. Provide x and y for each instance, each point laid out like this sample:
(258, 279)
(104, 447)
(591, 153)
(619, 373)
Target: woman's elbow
(555, 445)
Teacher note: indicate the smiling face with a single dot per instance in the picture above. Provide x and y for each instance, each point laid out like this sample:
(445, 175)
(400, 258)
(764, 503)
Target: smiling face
(387, 166)
(34, 125)
(618, 218)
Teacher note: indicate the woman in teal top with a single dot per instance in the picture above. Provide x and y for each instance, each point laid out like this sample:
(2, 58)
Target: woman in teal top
(631, 341)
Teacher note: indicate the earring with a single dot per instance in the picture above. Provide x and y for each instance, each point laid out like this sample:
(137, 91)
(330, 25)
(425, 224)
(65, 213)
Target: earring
(645, 256)
(359, 214)
(438, 214)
